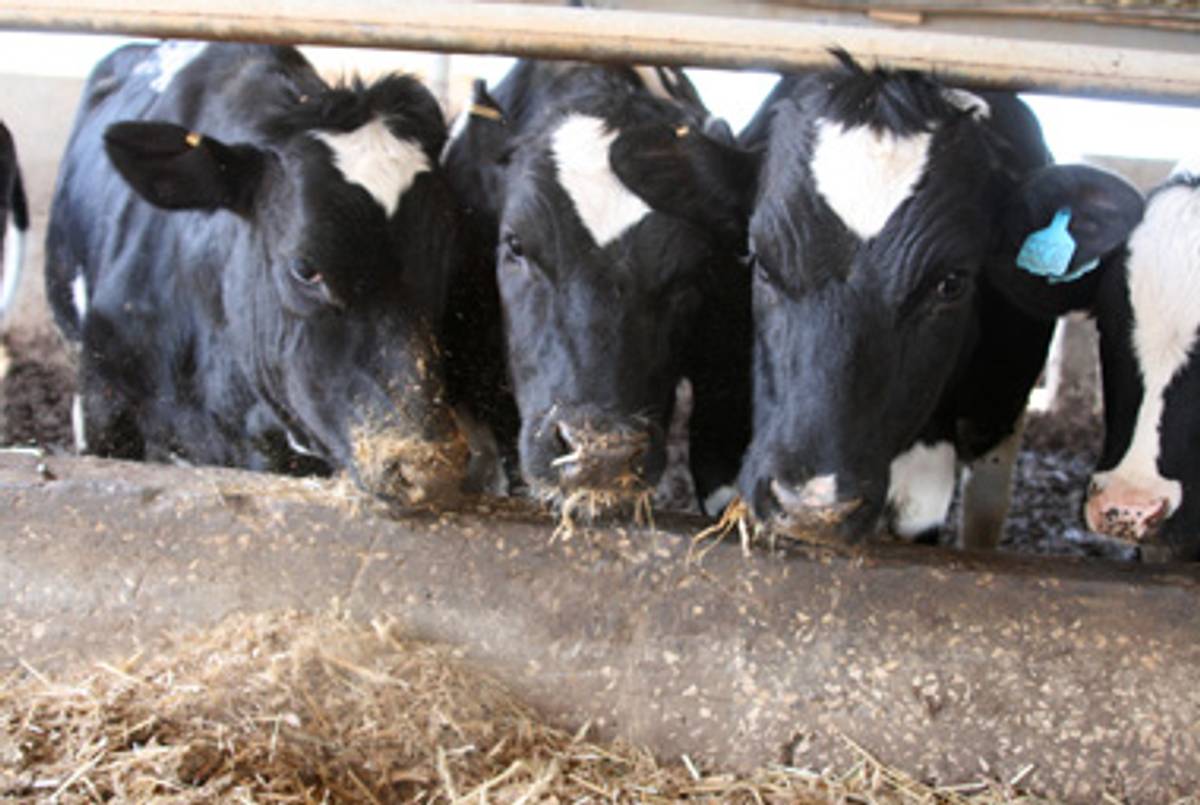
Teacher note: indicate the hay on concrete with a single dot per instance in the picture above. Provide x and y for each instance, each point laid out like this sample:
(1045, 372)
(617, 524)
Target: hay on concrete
(296, 708)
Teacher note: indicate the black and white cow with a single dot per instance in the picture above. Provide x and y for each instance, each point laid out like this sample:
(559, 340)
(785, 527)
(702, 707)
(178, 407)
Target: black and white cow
(1147, 485)
(607, 300)
(895, 334)
(257, 279)
(14, 221)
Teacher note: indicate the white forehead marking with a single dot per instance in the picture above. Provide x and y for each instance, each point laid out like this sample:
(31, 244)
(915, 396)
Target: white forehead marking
(968, 102)
(1164, 284)
(606, 207)
(169, 59)
(865, 175)
(374, 158)
(920, 487)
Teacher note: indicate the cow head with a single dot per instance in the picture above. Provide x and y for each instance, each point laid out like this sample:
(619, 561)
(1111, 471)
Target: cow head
(599, 288)
(345, 241)
(1147, 485)
(888, 212)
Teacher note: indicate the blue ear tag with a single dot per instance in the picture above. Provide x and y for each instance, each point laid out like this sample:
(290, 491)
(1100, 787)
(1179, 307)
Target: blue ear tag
(1047, 252)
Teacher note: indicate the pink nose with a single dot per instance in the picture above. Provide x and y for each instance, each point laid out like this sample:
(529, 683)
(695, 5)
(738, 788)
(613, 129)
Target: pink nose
(1125, 512)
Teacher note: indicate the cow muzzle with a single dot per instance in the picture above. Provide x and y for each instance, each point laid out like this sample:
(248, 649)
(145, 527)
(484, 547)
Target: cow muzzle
(1124, 511)
(408, 469)
(592, 458)
(811, 510)
(569, 451)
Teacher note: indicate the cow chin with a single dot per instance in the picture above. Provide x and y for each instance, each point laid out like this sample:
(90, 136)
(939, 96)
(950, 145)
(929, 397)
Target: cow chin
(402, 467)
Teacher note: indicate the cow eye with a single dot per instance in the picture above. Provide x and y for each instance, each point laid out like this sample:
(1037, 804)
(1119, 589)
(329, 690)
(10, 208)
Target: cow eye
(760, 271)
(951, 286)
(305, 272)
(514, 245)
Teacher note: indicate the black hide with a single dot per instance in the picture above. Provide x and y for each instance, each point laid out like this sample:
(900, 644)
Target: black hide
(598, 335)
(245, 302)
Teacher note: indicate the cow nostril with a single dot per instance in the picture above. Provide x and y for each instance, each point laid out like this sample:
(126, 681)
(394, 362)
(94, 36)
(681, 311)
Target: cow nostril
(569, 444)
(1158, 513)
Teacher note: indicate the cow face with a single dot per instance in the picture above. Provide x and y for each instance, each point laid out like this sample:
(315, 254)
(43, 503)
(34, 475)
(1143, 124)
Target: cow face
(598, 288)
(1147, 485)
(864, 302)
(344, 241)
(887, 217)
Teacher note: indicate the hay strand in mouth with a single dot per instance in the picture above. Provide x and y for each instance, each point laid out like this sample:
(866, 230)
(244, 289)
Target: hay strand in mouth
(736, 515)
(587, 505)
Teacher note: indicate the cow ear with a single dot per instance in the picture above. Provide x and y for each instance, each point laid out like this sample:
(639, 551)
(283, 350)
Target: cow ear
(1061, 224)
(177, 169)
(684, 172)
(1102, 207)
(476, 155)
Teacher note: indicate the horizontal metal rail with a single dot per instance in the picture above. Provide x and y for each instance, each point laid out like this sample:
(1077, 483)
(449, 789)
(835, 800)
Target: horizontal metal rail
(580, 33)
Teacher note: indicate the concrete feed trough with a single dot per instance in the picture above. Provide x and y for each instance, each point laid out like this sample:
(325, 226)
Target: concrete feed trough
(932, 660)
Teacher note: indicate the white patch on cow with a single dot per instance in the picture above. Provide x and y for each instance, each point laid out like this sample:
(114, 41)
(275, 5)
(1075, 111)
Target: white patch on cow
(376, 160)
(77, 426)
(298, 447)
(718, 500)
(968, 102)
(920, 488)
(169, 59)
(14, 259)
(1164, 284)
(864, 175)
(79, 294)
(818, 492)
(1188, 166)
(580, 149)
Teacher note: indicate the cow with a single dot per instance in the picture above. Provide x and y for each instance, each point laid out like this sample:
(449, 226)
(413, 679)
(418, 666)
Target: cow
(14, 221)
(1146, 488)
(896, 332)
(254, 265)
(605, 301)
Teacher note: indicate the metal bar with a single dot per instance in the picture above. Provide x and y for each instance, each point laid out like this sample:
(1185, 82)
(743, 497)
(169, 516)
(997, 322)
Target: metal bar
(580, 33)
(1140, 16)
